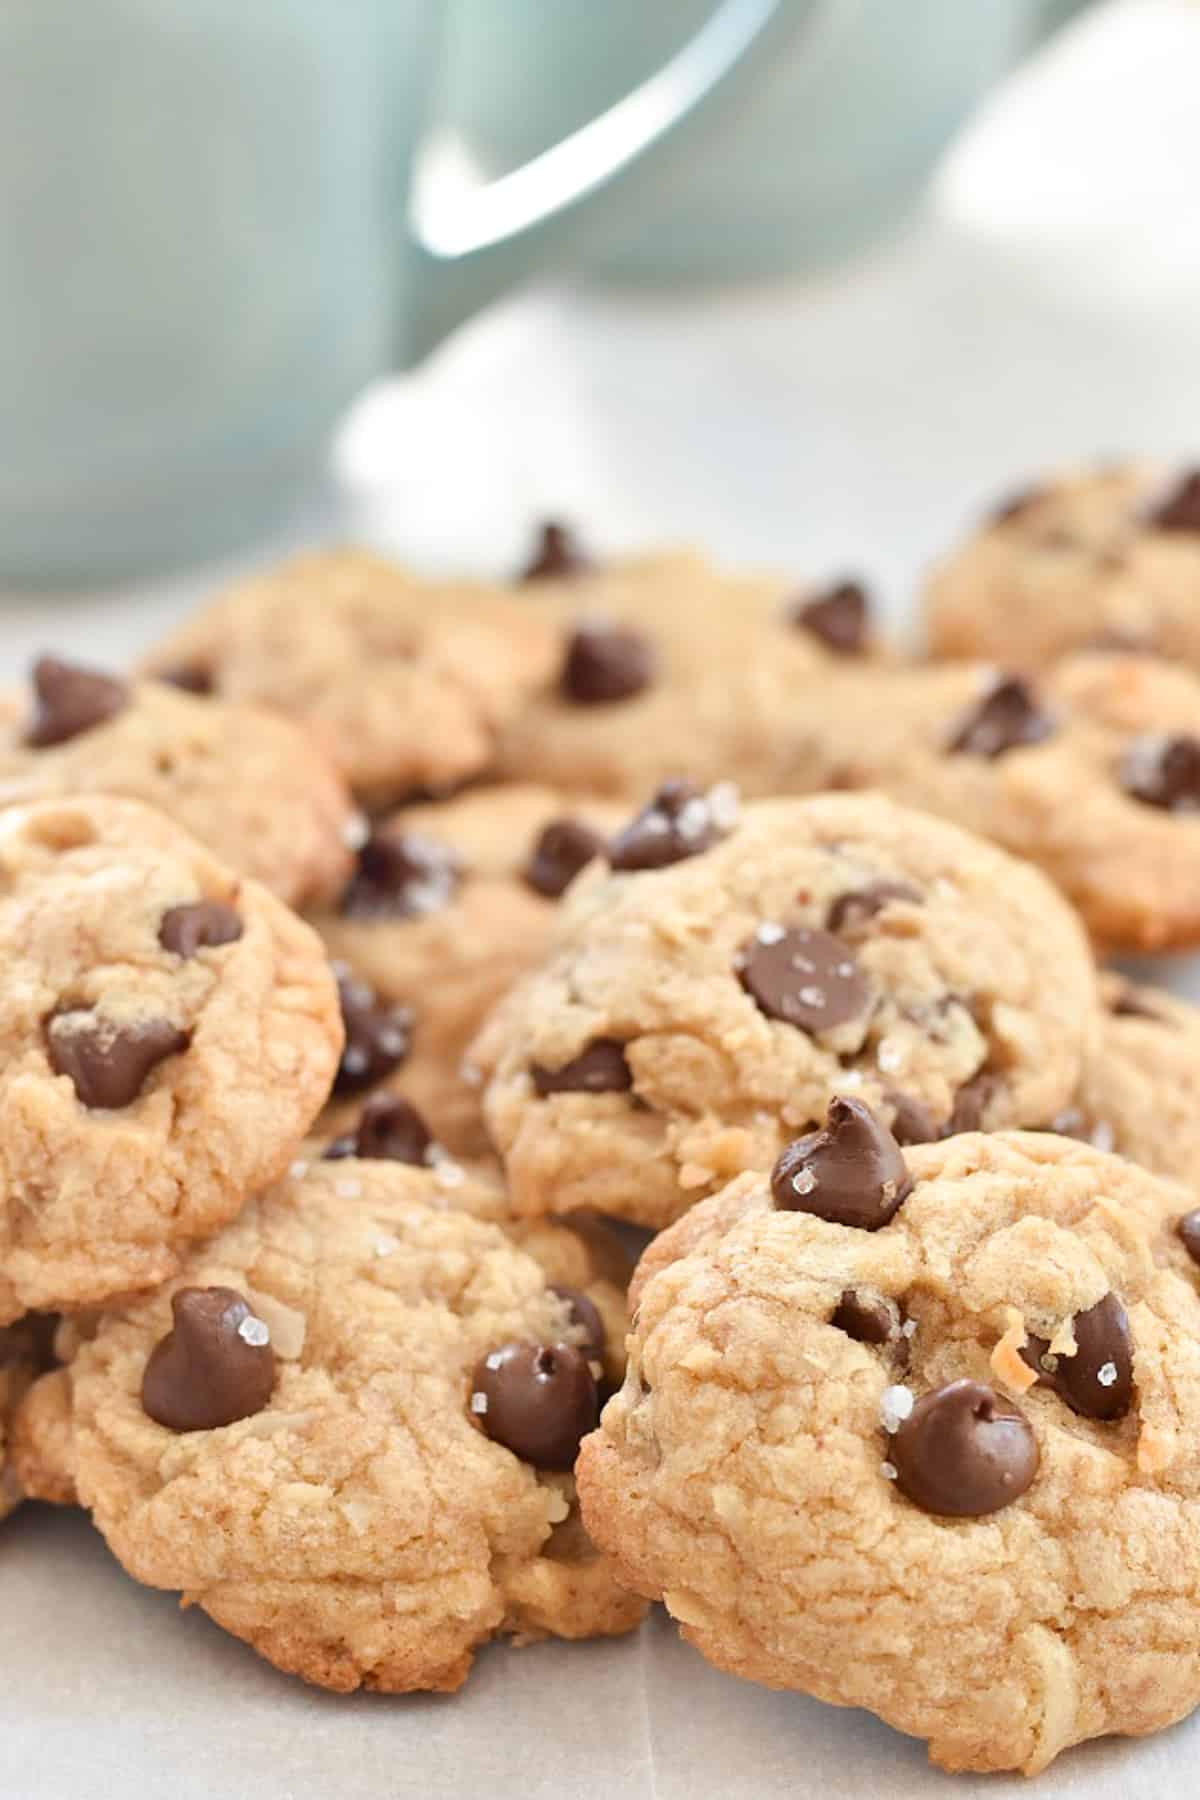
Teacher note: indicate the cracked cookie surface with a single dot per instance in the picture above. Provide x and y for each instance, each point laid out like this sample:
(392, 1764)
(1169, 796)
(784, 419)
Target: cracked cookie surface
(359, 1527)
(832, 1460)
(1100, 556)
(248, 784)
(408, 681)
(168, 1031)
(694, 1017)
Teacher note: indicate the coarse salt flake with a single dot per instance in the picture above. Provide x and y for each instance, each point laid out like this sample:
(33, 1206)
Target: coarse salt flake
(254, 1331)
(895, 1405)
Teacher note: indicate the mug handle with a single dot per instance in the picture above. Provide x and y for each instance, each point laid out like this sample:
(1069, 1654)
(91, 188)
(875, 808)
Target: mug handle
(470, 240)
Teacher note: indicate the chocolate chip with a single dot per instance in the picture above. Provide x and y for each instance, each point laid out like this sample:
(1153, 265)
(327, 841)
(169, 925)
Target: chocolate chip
(69, 700)
(850, 1173)
(867, 1318)
(538, 1400)
(838, 617)
(971, 1103)
(1017, 505)
(389, 1129)
(679, 822)
(563, 848)
(912, 1121)
(191, 677)
(201, 925)
(400, 876)
(107, 1061)
(557, 555)
(378, 1033)
(1163, 771)
(600, 1069)
(806, 978)
(1098, 1380)
(1180, 511)
(851, 911)
(606, 663)
(963, 1451)
(214, 1367)
(1130, 1003)
(585, 1315)
(1188, 1230)
(1006, 717)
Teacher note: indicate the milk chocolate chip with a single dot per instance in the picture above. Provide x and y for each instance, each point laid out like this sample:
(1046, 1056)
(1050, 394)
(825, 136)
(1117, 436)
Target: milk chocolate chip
(867, 1318)
(538, 1400)
(389, 1129)
(563, 848)
(1163, 771)
(1005, 718)
(1098, 1380)
(108, 1062)
(806, 978)
(378, 1034)
(1180, 511)
(214, 1367)
(585, 1315)
(839, 617)
(69, 700)
(679, 822)
(850, 1173)
(556, 556)
(605, 663)
(599, 1069)
(201, 925)
(853, 910)
(963, 1451)
(400, 876)
(1188, 1229)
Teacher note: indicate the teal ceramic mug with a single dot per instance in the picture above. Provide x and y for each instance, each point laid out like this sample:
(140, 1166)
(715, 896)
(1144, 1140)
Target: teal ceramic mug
(211, 237)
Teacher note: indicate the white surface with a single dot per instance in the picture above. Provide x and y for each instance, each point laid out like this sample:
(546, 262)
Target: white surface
(1045, 308)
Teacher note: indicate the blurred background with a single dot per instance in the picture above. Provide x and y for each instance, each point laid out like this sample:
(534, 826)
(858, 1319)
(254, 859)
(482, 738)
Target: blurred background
(807, 281)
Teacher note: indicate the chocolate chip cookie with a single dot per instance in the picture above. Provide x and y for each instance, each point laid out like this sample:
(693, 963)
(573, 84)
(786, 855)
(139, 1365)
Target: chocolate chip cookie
(667, 665)
(1140, 1092)
(448, 904)
(915, 1431)
(1106, 556)
(408, 681)
(248, 784)
(722, 979)
(347, 1430)
(168, 1031)
(1090, 768)
(22, 1354)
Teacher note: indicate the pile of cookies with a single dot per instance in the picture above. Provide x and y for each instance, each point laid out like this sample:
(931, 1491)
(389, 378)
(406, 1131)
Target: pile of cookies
(383, 948)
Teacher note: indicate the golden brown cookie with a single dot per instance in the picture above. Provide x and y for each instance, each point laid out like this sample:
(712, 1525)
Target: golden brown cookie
(722, 979)
(1106, 556)
(943, 1469)
(308, 1434)
(168, 1032)
(668, 665)
(1091, 769)
(447, 906)
(249, 785)
(408, 681)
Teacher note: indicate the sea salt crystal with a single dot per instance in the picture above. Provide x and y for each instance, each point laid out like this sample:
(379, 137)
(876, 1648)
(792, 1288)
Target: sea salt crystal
(479, 1403)
(889, 1056)
(770, 933)
(813, 996)
(383, 1246)
(299, 1169)
(888, 1471)
(254, 1332)
(1107, 1374)
(895, 1405)
(723, 804)
(803, 1181)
